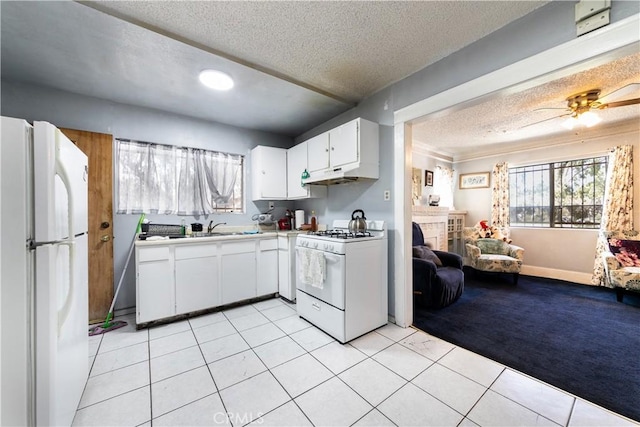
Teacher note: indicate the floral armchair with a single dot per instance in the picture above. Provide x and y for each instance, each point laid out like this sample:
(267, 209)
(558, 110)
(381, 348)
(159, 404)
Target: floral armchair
(493, 255)
(621, 259)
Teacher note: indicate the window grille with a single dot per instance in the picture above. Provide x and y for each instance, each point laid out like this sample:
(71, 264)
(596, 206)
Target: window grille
(565, 194)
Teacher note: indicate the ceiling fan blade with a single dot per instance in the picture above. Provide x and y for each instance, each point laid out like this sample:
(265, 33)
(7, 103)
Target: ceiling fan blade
(624, 91)
(551, 109)
(620, 103)
(546, 120)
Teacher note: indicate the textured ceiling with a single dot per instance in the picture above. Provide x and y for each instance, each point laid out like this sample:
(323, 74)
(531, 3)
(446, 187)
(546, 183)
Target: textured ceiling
(349, 49)
(505, 119)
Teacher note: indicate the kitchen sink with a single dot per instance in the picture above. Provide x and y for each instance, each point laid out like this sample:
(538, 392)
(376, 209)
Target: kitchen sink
(218, 233)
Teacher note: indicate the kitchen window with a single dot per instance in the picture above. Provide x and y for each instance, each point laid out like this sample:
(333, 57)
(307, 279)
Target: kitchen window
(566, 194)
(164, 179)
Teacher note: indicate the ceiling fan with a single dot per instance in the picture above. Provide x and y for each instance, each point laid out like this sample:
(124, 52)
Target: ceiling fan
(581, 106)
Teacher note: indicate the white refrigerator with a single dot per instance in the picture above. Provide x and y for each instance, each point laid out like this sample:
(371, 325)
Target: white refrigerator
(44, 351)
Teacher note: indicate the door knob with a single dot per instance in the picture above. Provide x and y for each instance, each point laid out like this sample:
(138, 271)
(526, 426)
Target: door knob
(104, 225)
(105, 238)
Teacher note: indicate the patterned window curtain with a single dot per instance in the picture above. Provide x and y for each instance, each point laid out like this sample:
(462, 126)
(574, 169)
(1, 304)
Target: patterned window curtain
(443, 185)
(500, 195)
(146, 178)
(617, 213)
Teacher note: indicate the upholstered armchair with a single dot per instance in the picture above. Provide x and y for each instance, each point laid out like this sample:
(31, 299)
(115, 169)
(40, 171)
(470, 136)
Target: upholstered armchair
(438, 279)
(621, 261)
(493, 255)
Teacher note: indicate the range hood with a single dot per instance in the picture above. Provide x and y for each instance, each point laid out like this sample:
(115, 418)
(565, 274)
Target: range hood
(344, 174)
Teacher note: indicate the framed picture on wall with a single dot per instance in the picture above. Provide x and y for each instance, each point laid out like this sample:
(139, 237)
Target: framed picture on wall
(474, 180)
(428, 178)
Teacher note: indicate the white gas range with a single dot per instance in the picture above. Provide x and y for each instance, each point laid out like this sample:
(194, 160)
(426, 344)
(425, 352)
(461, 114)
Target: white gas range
(342, 279)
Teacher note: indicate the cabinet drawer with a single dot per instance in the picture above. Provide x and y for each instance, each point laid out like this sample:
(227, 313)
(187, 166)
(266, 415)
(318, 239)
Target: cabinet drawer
(268, 244)
(196, 251)
(238, 247)
(322, 315)
(153, 254)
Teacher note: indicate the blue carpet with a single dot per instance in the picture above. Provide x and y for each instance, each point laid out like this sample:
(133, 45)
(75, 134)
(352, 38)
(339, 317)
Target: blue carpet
(575, 337)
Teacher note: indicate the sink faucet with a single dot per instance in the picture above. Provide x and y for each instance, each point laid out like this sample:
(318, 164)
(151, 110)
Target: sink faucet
(210, 228)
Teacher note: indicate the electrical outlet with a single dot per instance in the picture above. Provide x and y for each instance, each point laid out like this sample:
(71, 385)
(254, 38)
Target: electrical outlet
(271, 205)
(387, 195)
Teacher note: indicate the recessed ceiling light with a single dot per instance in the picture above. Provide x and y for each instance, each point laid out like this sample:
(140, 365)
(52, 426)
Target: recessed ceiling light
(215, 79)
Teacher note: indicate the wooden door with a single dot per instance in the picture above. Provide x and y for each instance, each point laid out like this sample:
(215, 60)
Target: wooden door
(99, 148)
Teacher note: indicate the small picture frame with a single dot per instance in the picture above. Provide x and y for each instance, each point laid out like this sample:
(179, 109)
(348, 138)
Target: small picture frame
(428, 178)
(474, 180)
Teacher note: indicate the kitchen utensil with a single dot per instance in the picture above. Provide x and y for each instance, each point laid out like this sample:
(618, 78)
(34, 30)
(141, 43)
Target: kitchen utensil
(196, 226)
(358, 224)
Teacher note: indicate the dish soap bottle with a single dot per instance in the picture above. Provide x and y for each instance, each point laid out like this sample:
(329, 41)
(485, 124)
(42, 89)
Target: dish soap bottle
(314, 223)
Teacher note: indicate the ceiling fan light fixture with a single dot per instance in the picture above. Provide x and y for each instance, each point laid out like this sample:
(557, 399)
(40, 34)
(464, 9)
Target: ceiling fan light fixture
(589, 119)
(570, 123)
(216, 80)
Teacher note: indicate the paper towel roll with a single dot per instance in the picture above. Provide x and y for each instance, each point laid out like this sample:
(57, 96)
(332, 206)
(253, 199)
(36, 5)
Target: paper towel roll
(299, 217)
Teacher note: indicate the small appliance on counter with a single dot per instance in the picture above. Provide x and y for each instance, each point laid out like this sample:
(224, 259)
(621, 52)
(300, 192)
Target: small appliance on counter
(286, 222)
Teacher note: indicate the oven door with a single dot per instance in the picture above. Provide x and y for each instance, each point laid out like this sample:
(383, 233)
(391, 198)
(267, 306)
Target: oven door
(332, 290)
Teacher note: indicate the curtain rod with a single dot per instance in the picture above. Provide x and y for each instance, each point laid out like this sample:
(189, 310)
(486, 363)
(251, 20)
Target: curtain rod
(176, 146)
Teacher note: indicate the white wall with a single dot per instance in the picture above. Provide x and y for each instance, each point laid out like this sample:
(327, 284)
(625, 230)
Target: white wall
(559, 253)
(426, 162)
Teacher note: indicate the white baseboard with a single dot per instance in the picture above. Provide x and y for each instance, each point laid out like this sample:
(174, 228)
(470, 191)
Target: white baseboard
(552, 273)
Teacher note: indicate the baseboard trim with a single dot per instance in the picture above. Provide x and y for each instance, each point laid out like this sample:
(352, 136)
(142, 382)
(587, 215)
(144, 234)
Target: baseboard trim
(552, 273)
(124, 311)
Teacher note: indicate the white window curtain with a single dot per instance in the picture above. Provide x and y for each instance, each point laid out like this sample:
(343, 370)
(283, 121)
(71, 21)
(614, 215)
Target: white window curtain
(443, 185)
(154, 178)
(500, 195)
(617, 212)
(146, 178)
(207, 180)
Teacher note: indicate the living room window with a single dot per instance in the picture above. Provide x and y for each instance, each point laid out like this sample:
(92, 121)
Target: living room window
(565, 194)
(164, 179)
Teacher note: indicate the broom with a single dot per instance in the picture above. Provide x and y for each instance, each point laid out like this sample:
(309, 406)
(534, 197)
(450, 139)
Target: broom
(109, 324)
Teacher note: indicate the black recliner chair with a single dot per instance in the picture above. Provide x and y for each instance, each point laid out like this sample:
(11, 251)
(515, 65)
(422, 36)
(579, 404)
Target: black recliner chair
(434, 286)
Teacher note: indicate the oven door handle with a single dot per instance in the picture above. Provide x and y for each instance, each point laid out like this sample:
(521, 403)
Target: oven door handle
(328, 256)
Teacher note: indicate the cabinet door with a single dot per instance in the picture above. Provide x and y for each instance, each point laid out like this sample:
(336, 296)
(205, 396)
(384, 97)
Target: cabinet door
(154, 290)
(296, 164)
(318, 153)
(343, 143)
(238, 271)
(267, 272)
(269, 171)
(197, 284)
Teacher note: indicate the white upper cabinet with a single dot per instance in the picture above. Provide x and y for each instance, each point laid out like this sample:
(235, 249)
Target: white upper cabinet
(268, 173)
(318, 152)
(343, 144)
(297, 163)
(345, 153)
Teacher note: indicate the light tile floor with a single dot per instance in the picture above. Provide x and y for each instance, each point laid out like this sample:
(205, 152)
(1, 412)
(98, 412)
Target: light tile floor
(261, 364)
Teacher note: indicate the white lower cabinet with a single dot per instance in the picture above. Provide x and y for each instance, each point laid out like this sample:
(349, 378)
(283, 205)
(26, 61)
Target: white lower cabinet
(238, 275)
(154, 278)
(287, 266)
(173, 279)
(197, 285)
(267, 260)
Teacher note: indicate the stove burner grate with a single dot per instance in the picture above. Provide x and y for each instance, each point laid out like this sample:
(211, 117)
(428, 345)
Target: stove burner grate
(341, 234)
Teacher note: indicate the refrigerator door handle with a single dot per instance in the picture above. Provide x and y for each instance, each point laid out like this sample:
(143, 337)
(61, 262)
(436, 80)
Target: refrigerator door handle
(63, 313)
